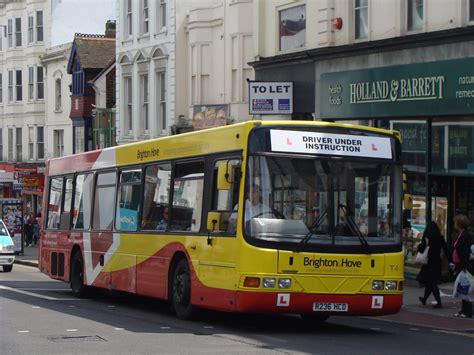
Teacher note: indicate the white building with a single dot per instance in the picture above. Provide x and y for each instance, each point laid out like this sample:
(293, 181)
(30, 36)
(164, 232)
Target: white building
(220, 46)
(58, 125)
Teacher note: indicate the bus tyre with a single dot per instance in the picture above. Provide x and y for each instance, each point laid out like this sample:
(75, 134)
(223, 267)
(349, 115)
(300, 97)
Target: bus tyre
(181, 290)
(7, 268)
(314, 319)
(77, 276)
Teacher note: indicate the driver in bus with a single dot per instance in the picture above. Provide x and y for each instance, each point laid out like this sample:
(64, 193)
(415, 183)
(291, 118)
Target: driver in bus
(254, 208)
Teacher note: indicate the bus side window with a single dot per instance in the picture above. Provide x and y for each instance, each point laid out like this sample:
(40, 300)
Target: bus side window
(83, 201)
(104, 201)
(225, 200)
(128, 200)
(156, 197)
(54, 204)
(65, 219)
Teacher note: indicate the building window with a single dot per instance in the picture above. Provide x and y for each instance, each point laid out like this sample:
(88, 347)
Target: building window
(57, 95)
(162, 98)
(129, 106)
(58, 138)
(31, 37)
(31, 143)
(415, 15)
(39, 26)
(18, 32)
(18, 141)
(77, 80)
(361, 18)
(128, 15)
(10, 144)
(31, 83)
(10, 33)
(10, 85)
(39, 83)
(1, 88)
(79, 139)
(292, 28)
(161, 16)
(19, 87)
(145, 15)
(144, 103)
(40, 142)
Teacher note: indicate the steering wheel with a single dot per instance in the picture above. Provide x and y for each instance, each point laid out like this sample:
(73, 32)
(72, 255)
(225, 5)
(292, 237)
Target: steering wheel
(273, 213)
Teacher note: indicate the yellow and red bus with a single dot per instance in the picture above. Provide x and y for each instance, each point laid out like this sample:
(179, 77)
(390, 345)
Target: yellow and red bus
(262, 216)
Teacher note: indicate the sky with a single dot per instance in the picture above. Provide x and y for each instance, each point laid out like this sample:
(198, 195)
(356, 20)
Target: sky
(82, 16)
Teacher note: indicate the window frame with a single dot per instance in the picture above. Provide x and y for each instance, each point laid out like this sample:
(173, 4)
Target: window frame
(423, 20)
(40, 143)
(357, 16)
(96, 177)
(118, 195)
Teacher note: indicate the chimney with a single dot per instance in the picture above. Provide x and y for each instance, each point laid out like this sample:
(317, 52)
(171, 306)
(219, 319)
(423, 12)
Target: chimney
(110, 29)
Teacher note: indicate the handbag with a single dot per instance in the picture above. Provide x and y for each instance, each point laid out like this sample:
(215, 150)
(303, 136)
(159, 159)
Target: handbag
(464, 286)
(422, 257)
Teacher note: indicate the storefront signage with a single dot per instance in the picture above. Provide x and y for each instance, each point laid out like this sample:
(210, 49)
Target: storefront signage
(433, 88)
(270, 98)
(330, 144)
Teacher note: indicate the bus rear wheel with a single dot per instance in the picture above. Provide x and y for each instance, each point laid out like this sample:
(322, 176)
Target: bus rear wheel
(181, 290)
(77, 276)
(7, 268)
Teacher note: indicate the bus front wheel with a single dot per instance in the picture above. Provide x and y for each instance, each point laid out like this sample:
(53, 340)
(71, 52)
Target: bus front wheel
(7, 268)
(181, 290)
(77, 276)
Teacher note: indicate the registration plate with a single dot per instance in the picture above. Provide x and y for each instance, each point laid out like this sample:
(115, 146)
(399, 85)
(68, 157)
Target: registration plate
(330, 307)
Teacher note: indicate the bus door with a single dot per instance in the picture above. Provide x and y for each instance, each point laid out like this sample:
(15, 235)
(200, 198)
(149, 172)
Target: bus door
(99, 244)
(222, 246)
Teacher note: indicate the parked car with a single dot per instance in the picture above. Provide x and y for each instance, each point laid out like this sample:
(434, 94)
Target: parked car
(7, 248)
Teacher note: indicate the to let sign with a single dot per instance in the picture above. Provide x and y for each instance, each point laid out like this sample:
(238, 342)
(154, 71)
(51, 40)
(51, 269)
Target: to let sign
(268, 98)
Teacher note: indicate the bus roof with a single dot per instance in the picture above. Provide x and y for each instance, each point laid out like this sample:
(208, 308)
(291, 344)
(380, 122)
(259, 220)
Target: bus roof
(207, 141)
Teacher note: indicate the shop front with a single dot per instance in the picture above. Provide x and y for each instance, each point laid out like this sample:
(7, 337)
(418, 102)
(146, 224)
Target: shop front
(431, 104)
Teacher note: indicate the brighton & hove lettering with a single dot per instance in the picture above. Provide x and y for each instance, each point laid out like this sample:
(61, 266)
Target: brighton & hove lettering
(344, 262)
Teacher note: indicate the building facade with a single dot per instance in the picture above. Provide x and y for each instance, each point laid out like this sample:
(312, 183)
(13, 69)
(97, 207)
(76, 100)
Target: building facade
(402, 64)
(146, 69)
(219, 48)
(25, 28)
(58, 125)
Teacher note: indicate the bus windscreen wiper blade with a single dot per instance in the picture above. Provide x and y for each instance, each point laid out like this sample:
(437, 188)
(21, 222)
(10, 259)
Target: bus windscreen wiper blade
(354, 227)
(311, 231)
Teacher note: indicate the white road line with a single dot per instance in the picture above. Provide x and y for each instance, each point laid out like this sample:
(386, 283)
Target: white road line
(36, 295)
(165, 327)
(71, 330)
(23, 331)
(36, 307)
(119, 328)
(208, 327)
(110, 306)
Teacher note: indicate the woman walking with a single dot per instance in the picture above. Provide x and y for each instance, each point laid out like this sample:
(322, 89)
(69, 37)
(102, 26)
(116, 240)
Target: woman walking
(461, 254)
(430, 273)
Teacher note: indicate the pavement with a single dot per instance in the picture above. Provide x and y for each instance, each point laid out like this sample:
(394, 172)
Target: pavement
(413, 313)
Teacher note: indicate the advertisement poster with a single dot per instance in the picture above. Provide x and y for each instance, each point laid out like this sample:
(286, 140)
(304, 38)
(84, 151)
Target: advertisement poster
(208, 116)
(12, 216)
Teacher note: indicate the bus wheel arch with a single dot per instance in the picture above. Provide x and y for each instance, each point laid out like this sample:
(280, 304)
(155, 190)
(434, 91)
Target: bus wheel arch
(179, 283)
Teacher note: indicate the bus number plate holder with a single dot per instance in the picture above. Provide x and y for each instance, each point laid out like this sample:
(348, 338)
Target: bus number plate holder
(330, 307)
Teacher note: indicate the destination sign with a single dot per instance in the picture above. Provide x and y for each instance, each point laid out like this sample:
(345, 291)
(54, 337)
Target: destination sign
(331, 144)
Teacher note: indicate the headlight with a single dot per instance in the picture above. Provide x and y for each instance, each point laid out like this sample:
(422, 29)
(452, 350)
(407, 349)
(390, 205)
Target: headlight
(284, 283)
(268, 282)
(377, 285)
(391, 285)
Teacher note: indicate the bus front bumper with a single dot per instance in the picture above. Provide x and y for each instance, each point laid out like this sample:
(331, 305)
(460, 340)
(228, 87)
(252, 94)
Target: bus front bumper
(281, 302)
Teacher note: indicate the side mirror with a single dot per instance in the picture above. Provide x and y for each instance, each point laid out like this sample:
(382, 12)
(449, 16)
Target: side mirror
(213, 221)
(224, 175)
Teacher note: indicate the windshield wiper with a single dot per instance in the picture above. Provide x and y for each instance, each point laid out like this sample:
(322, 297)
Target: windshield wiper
(354, 227)
(312, 230)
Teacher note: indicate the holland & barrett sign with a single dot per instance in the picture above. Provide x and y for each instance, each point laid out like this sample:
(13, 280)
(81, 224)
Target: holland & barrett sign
(434, 88)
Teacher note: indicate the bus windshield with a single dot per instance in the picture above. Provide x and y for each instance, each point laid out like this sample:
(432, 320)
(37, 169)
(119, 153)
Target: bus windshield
(328, 201)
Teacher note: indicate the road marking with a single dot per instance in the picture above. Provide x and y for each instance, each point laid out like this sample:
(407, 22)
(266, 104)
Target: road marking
(36, 307)
(36, 295)
(119, 328)
(110, 306)
(208, 327)
(71, 306)
(23, 331)
(165, 327)
(454, 333)
(71, 330)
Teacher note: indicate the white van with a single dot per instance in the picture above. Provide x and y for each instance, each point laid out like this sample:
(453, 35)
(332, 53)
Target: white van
(7, 248)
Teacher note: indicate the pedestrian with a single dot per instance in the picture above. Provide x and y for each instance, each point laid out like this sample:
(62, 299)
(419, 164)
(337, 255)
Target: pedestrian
(461, 254)
(28, 230)
(35, 229)
(430, 273)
